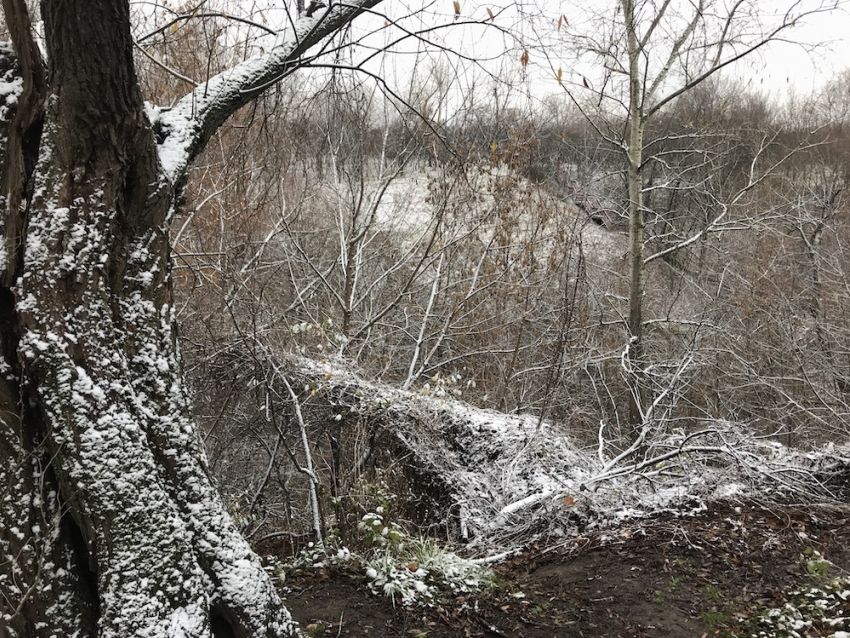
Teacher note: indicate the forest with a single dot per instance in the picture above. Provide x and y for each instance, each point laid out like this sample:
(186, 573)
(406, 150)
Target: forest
(316, 321)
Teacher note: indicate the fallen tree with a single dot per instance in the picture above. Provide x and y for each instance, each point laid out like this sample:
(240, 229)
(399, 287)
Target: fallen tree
(496, 480)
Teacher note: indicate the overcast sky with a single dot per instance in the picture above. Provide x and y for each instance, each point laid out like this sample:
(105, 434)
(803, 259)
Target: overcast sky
(778, 68)
(789, 65)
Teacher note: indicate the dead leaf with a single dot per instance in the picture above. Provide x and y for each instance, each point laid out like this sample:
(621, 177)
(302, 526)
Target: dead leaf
(457, 8)
(569, 501)
(490, 13)
(524, 59)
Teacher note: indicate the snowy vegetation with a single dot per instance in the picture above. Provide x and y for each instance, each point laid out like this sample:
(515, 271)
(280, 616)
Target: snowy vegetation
(493, 298)
(240, 304)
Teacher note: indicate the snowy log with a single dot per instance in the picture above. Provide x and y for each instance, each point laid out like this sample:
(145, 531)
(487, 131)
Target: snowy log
(508, 478)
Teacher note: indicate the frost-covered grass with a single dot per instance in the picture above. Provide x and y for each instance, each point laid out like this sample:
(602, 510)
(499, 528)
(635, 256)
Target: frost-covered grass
(820, 609)
(451, 571)
(809, 611)
(409, 571)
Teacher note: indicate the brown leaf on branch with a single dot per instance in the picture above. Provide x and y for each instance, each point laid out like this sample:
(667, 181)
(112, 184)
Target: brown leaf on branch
(457, 8)
(490, 13)
(524, 59)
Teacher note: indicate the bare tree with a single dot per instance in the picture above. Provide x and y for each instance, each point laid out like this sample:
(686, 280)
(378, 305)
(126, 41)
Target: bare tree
(646, 56)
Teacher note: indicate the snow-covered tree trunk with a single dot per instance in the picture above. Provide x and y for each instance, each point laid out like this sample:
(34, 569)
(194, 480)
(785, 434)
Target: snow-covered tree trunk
(109, 522)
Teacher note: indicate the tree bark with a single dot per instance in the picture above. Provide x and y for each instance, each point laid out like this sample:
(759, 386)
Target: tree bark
(111, 525)
(637, 275)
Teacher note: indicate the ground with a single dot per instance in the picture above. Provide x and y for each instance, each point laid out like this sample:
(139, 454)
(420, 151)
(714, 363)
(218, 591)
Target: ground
(672, 577)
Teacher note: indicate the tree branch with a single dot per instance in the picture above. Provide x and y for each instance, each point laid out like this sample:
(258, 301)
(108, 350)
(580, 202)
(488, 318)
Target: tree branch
(186, 128)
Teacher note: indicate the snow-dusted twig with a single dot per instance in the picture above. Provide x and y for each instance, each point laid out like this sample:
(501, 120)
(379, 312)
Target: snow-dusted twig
(435, 287)
(266, 476)
(308, 461)
(647, 415)
(496, 558)
(600, 450)
(523, 503)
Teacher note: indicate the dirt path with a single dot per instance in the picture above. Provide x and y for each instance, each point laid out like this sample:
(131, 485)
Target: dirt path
(672, 577)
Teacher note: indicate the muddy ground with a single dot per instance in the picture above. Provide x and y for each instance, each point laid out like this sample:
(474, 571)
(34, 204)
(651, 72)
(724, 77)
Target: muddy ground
(672, 577)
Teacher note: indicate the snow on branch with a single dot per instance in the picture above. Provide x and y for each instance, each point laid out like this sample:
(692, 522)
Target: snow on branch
(511, 477)
(186, 128)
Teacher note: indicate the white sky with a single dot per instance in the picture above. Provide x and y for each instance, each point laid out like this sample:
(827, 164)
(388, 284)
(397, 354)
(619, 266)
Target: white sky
(781, 69)
(786, 66)
(823, 48)
(777, 69)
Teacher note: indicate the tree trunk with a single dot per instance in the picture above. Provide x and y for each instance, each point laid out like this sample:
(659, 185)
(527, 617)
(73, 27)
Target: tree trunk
(111, 525)
(634, 161)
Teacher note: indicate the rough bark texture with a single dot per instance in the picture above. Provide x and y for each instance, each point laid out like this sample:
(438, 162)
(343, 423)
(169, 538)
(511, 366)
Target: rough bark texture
(23, 131)
(111, 525)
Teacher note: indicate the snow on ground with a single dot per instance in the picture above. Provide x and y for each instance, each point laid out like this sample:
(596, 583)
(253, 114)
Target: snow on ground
(405, 207)
(413, 198)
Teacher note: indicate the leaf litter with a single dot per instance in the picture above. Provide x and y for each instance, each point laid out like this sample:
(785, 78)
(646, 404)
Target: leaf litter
(739, 568)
